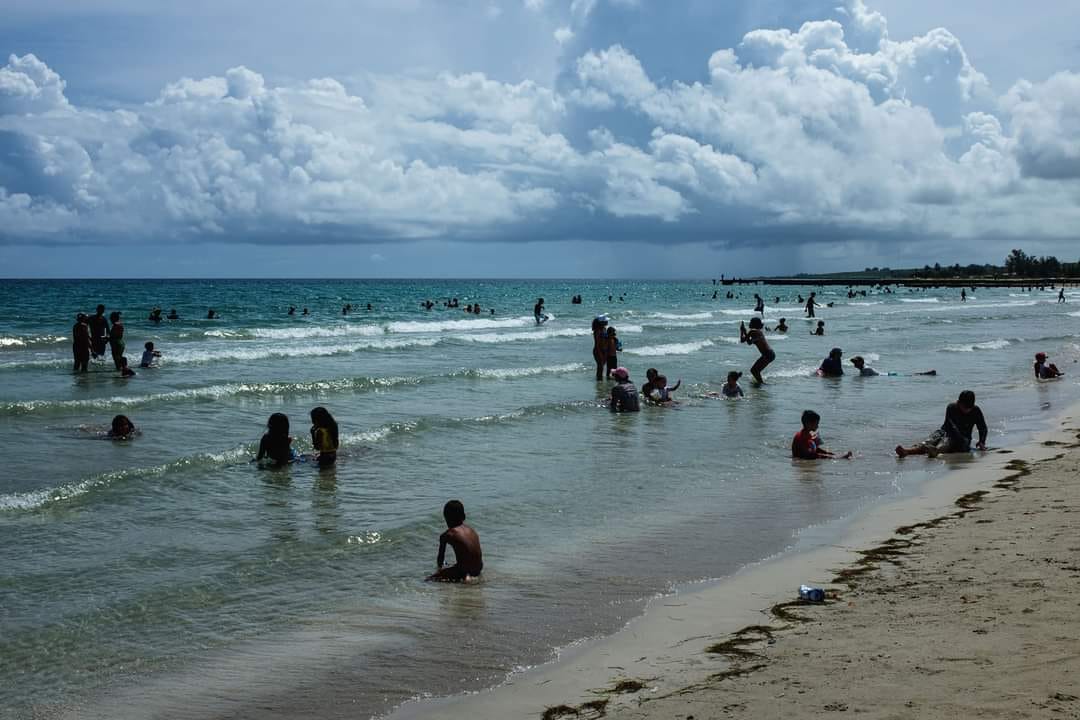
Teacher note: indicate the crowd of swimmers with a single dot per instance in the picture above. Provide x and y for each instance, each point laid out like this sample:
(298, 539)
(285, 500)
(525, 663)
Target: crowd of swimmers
(93, 335)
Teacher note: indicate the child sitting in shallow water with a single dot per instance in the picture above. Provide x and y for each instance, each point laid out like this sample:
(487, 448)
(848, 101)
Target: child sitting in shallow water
(122, 428)
(661, 391)
(731, 388)
(469, 558)
(276, 443)
(806, 445)
(149, 355)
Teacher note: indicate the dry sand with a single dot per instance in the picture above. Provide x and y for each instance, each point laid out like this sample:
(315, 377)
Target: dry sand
(969, 612)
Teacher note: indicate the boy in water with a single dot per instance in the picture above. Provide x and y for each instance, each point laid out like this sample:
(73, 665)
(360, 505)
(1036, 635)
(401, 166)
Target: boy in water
(469, 559)
(731, 388)
(756, 337)
(820, 329)
(806, 445)
(954, 435)
(864, 369)
(149, 355)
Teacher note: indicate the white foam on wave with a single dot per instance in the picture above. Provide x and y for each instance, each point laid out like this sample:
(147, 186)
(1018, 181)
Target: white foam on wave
(318, 331)
(865, 304)
(438, 326)
(677, 316)
(998, 344)
(920, 300)
(1074, 314)
(262, 352)
(7, 341)
(509, 373)
(672, 349)
(799, 371)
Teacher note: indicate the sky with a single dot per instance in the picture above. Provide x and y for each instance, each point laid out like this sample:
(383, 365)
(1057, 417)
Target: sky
(534, 138)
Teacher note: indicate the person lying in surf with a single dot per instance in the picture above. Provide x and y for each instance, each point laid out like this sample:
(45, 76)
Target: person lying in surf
(864, 369)
(468, 557)
(122, 428)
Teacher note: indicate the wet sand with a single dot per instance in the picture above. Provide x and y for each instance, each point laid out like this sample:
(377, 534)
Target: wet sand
(960, 603)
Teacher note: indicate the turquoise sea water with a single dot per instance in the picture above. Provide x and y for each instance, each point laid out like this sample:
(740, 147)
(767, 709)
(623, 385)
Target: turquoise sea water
(167, 577)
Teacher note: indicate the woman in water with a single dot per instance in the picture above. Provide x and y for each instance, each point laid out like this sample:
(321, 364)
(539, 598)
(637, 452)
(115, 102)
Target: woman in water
(276, 443)
(600, 344)
(324, 436)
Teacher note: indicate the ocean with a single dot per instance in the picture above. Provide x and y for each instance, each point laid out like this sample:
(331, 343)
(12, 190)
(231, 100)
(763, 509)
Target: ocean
(168, 577)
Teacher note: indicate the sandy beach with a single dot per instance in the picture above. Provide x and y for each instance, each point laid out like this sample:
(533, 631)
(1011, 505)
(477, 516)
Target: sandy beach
(967, 611)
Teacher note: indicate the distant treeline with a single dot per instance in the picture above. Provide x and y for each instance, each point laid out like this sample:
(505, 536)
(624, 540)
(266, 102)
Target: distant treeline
(1017, 265)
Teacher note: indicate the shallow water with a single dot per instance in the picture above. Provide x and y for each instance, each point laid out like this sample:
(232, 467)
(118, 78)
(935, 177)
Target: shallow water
(169, 574)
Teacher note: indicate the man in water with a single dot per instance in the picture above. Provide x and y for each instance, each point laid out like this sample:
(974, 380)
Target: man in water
(811, 304)
(99, 332)
(538, 311)
(954, 435)
(1061, 295)
(80, 347)
(832, 366)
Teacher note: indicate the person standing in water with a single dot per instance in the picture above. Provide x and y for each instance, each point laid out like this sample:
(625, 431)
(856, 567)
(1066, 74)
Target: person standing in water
(759, 304)
(600, 344)
(1061, 295)
(538, 311)
(80, 343)
(811, 304)
(116, 338)
(756, 336)
(99, 332)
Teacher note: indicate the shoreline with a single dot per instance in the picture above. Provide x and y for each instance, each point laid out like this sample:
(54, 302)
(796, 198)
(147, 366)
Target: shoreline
(662, 654)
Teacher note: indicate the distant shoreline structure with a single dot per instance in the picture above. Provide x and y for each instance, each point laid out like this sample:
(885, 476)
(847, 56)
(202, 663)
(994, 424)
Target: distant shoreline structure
(970, 282)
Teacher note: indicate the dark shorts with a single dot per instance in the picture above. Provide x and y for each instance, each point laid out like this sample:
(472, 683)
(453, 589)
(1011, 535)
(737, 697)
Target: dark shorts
(98, 345)
(939, 440)
(456, 573)
(770, 355)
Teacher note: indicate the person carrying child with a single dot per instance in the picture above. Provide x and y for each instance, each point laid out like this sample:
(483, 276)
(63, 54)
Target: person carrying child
(468, 557)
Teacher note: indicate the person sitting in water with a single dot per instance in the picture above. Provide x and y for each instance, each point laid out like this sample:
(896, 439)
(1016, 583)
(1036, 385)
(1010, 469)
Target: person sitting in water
(833, 365)
(211, 314)
(122, 428)
(661, 391)
(731, 388)
(755, 336)
(806, 445)
(125, 371)
(468, 557)
(864, 369)
(276, 444)
(155, 315)
(820, 329)
(324, 436)
(172, 315)
(149, 355)
(1045, 370)
(782, 326)
(624, 396)
(954, 435)
(650, 382)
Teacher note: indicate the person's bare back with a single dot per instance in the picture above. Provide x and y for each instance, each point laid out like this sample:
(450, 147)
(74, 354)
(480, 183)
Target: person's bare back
(469, 558)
